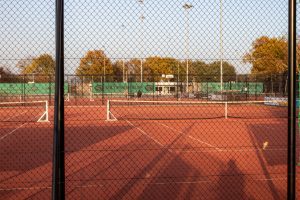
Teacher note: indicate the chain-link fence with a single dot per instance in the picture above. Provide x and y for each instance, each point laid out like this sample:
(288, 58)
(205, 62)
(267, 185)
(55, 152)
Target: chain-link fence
(163, 99)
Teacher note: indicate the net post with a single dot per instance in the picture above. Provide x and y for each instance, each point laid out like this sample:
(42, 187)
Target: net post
(91, 89)
(23, 88)
(107, 110)
(47, 115)
(226, 110)
(67, 97)
(102, 91)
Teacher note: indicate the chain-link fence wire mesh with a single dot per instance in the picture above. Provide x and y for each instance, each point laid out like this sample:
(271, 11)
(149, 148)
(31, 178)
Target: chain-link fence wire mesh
(27, 49)
(163, 99)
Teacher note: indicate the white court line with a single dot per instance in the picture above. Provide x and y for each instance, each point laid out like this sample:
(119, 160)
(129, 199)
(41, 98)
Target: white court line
(210, 145)
(89, 186)
(180, 182)
(235, 150)
(144, 133)
(200, 141)
(12, 131)
(270, 179)
(104, 106)
(223, 149)
(209, 181)
(38, 188)
(29, 188)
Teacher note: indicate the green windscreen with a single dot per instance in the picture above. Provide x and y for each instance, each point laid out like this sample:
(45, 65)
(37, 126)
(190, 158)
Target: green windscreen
(29, 88)
(118, 88)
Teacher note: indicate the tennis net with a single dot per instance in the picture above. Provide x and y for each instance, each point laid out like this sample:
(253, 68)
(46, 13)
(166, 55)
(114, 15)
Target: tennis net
(181, 110)
(33, 111)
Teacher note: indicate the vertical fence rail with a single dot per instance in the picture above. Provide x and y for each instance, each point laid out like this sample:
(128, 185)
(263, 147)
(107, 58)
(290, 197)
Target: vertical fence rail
(292, 102)
(58, 185)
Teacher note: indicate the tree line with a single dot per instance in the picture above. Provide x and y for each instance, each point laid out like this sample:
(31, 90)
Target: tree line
(267, 56)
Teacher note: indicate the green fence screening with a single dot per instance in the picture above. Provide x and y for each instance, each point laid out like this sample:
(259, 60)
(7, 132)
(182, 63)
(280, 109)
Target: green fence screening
(243, 87)
(29, 88)
(121, 88)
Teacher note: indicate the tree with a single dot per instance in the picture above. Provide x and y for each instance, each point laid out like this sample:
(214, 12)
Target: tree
(133, 69)
(160, 65)
(156, 66)
(268, 56)
(40, 68)
(269, 60)
(43, 65)
(199, 70)
(118, 70)
(214, 70)
(95, 63)
(21, 64)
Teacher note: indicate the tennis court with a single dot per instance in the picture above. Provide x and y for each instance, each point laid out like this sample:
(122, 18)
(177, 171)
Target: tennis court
(148, 151)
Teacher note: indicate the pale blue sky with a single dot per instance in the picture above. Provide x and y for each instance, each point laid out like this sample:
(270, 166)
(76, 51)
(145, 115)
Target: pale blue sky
(27, 28)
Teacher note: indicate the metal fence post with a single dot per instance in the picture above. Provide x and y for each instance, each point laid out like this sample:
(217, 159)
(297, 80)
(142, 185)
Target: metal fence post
(291, 185)
(58, 178)
(102, 91)
(23, 89)
(50, 85)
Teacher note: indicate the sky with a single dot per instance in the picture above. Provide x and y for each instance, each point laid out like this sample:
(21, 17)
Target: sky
(27, 29)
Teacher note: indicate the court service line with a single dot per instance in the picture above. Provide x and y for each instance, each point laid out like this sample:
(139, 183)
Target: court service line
(181, 182)
(224, 149)
(144, 133)
(28, 188)
(4, 136)
(191, 137)
(252, 149)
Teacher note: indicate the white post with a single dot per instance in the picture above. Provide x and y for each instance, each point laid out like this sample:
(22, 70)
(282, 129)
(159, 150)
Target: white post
(186, 7)
(108, 110)
(91, 89)
(226, 110)
(221, 48)
(141, 70)
(142, 30)
(104, 68)
(47, 119)
(123, 66)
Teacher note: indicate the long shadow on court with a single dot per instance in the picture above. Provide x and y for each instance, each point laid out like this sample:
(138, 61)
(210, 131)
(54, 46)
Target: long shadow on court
(28, 148)
(231, 183)
(169, 176)
(273, 138)
(180, 179)
(275, 135)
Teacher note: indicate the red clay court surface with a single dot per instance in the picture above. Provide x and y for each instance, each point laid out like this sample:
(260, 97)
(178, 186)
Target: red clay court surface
(146, 159)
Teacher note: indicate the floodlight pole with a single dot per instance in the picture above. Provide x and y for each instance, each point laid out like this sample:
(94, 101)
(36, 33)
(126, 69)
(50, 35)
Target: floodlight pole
(123, 66)
(186, 7)
(104, 65)
(33, 81)
(142, 29)
(221, 47)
